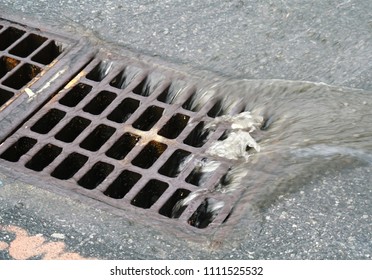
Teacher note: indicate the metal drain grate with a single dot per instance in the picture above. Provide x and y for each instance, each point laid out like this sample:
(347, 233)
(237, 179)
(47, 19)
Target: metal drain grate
(128, 136)
(30, 59)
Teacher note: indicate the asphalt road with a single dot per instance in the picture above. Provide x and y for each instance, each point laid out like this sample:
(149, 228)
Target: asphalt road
(320, 41)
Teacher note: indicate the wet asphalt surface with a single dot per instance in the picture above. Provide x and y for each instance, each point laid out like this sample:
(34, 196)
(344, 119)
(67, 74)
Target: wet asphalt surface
(322, 41)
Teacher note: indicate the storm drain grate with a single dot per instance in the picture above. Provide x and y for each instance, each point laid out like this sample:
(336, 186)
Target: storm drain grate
(28, 56)
(121, 132)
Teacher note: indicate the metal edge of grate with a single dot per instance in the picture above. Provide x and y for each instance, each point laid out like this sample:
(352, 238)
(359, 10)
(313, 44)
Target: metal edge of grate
(56, 56)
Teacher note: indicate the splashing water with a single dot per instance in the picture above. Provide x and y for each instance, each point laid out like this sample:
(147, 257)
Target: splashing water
(299, 130)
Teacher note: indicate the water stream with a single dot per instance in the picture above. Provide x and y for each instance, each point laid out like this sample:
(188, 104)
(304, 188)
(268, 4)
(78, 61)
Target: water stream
(307, 130)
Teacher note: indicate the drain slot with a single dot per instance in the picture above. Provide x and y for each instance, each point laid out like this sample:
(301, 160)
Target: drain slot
(5, 96)
(149, 118)
(143, 88)
(124, 110)
(202, 172)
(174, 165)
(100, 102)
(99, 72)
(96, 175)
(149, 155)
(7, 64)
(217, 110)
(18, 149)
(167, 209)
(48, 54)
(69, 166)
(174, 126)
(198, 136)
(205, 214)
(28, 45)
(75, 95)
(149, 194)
(44, 157)
(122, 184)
(9, 36)
(97, 138)
(123, 146)
(48, 121)
(73, 129)
(22, 76)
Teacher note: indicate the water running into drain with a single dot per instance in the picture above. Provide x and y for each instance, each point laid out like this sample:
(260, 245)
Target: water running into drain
(299, 130)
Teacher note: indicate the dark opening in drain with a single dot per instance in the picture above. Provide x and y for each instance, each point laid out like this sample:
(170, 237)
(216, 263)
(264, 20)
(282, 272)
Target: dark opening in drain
(122, 184)
(174, 126)
(9, 36)
(119, 81)
(149, 118)
(22, 76)
(97, 137)
(27, 45)
(164, 96)
(198, 136)
(224, 135)
(75, 95)
(123, 146)
(96, 175)
(195, 177)
(5, 96)
(174, 165)
(124, 110)
(199, 175)
(173, 91)
(149, 194)
(48, 53)
(7, 64)
(143, 88)
(217, 110)
(100, 71)
(149, 154)
(69, 166)
(167, 208)
(100, 102)
(43, 157)
(48, 121)
(188, 105)
(18, 149)
(73, 129)
(205, 214)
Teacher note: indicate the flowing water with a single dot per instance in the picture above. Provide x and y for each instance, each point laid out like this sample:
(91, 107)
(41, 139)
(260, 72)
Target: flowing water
(301, 130)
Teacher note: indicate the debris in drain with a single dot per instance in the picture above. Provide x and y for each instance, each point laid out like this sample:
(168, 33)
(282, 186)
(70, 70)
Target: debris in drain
(235, 144)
